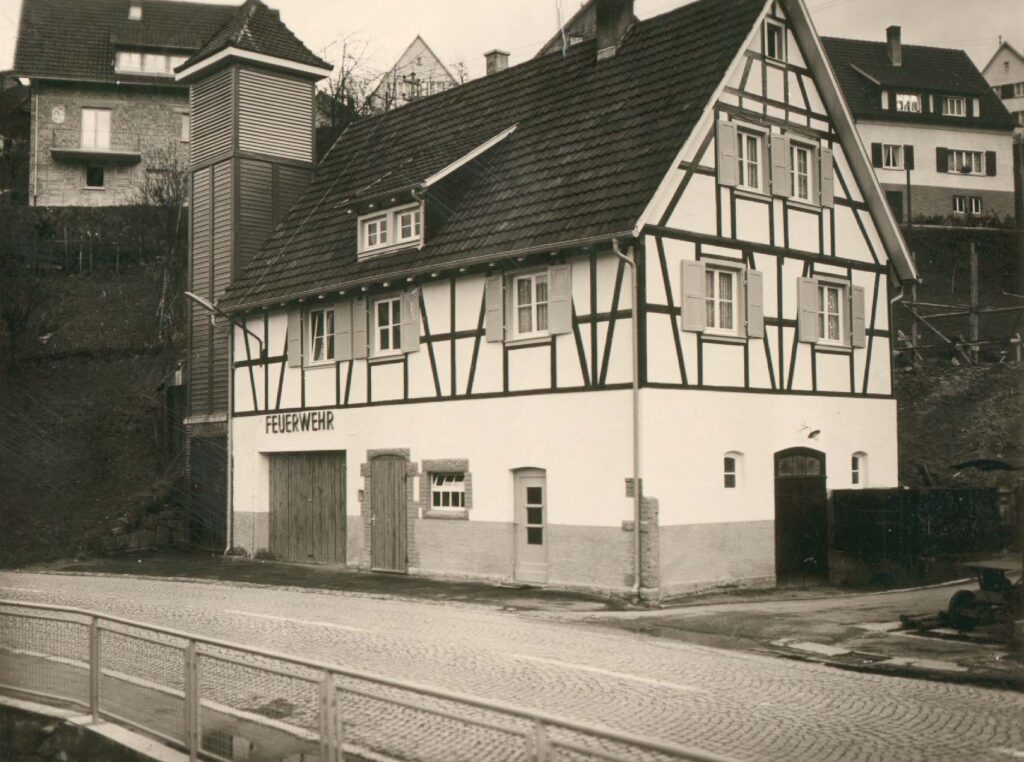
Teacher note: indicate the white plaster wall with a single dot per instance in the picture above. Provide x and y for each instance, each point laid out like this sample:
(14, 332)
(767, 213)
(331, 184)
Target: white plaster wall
(686, 434)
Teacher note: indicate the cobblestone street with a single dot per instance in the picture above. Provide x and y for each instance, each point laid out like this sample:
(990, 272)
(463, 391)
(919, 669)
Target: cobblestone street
(744, 705)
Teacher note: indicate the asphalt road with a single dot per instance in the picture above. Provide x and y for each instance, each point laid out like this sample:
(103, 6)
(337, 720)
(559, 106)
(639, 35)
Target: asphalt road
(744, 705)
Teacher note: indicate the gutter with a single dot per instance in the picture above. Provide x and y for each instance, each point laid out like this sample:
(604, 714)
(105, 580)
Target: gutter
(630, 260)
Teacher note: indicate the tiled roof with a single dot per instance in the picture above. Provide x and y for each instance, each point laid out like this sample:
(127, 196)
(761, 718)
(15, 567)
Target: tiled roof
(76, 39)
(258, 29)
(593, 141)
(940, 71)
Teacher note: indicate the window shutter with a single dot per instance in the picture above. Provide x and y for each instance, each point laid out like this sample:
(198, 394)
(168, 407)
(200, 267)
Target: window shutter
(974, 107)
(755, 304)
(411, 321)
(780, 166)
(295, 337)
(1007, 91)
(494, 298)
(358, 329)
(876, 155)
(728, 160)
(694, 310)
(990, 163)
(908, 157)
(559, 300)
(807, 306)
(858, 327)
(343, 331)
(827, 178)
(942, 160)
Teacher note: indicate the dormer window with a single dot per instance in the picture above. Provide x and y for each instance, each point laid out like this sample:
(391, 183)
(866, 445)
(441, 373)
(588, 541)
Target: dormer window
(402, 226)
(952, 106)
(774, 40)
(909, 102)
(135, 12)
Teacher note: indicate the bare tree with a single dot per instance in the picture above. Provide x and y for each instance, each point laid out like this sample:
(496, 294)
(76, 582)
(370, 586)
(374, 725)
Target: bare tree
(343, 96)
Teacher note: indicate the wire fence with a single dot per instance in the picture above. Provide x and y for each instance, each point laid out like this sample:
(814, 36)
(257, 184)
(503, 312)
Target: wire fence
(222, 701)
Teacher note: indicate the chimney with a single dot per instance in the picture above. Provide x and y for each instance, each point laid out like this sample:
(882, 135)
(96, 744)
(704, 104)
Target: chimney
(614, 18)
(895, 46)
(135, 10)
(497, 60)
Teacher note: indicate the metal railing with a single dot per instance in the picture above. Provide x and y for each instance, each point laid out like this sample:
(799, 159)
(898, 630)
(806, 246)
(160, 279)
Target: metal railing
(219, 700)
(113, 141)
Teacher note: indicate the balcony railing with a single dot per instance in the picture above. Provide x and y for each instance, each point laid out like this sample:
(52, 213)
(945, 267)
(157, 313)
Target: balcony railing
(105, 145)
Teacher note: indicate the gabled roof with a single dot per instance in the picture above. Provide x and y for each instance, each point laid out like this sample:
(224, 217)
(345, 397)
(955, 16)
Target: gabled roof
(593, 141)
(77, 39)
(255, 28)
(924, 69)
(1008, 46)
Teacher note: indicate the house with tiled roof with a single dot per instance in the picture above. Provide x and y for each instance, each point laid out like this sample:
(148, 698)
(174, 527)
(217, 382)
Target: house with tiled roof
(417, 73)
(616, 319)
(1005, 74)
(940, 139)
(106, 111)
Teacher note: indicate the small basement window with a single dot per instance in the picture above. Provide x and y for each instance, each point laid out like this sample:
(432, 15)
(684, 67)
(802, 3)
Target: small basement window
(448, 491)
(94, 177)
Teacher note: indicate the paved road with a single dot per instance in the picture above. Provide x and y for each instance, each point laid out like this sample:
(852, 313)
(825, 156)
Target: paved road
(744, 705)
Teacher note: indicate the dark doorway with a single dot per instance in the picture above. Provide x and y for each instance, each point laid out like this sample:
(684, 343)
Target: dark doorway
(895, 199)
(388, 518)
(208, 496)
(801, 521)
(307, 507)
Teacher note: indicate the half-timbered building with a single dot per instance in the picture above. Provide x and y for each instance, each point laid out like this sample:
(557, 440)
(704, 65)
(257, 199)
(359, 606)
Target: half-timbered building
(433, 365)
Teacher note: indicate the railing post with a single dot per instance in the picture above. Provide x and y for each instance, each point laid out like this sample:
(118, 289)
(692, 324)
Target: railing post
(330, 722)
(94, 668)
(192, 701)
(541, 744)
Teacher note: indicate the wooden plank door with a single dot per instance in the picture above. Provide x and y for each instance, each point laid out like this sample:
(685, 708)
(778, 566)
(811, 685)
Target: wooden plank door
(388, 546)
(208, 497)
(307, 507)
(531, 507)
(801, 517)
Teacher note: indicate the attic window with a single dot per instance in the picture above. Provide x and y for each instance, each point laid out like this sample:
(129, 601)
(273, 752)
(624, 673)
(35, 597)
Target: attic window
(952, 106)
(401, 226)
(135, 12)
(910, 102)
(774, 40)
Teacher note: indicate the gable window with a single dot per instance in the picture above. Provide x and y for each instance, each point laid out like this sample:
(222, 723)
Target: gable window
(375, 232)
(831, 312)
(859, 469)
(530, 305)
(720, 296)
(409, 223)
(800, 171)
(967, 162)
(94, 177)
(387, 315)
(774, 40)
(321, 336)
(96, 128)
(909, 102)
(892, 156)
(731, 470)
(952, 106)
(749, 155)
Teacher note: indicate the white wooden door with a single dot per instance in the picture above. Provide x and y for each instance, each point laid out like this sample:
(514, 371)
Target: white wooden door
(531, 507)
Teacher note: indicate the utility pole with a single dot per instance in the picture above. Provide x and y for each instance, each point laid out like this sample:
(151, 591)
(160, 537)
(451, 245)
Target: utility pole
(1018, 183)
(972, 319)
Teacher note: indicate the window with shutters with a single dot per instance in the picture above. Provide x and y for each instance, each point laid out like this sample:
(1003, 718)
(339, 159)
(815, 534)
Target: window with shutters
(321, 336)
(774, 40)
(720, 296)
(529, 305)
(892, 156)
(967, 162)
(800, 159)
(830, 314)
(908, 102)
(387, 326)
(722, 299)
(750, 149)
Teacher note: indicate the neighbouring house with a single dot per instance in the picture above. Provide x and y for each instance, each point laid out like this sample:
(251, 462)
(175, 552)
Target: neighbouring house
(581, 26)
(417, 73)
(106, 111)
(1005, 73)
(940, 140)
(432, 356)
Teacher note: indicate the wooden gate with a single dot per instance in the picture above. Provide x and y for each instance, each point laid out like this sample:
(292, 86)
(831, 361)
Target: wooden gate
(307, 506)
(388, 518)
(801, 517)
(208, 494)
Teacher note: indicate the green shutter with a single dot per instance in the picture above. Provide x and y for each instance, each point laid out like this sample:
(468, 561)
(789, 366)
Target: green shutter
(694, 317)
(807, 306)
(755, 304)
(494, 306)
(358, 329)
(559, 300)
(295, 337)
(411, 321)
(858, 326)
(728, 159)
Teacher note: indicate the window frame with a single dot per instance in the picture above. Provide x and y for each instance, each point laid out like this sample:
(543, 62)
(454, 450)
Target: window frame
(913, 98)
(948, 100)
(771, 26)
(744, 163)
(733, 474)
(1018, 89)
(391, 221)
(330, 331)
(446, 466)
(129, 55)
(716, 268)
(94, 144)
(381, 232)
(455, 490)
(810, 151)
(394, 327)
(974, 204)
(515, 334)
(842, 312)
(417, 223)
(893, 151)
(103, 177)
(859, 470)
(959, 204)
(955, 153)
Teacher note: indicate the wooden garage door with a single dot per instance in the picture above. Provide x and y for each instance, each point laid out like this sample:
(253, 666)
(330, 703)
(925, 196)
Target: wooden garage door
(307, 506)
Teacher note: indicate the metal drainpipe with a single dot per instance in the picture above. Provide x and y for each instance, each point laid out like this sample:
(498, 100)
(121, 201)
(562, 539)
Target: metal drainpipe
(631, 261)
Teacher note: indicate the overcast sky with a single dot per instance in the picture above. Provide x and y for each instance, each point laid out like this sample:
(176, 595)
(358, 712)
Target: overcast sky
(462, 30)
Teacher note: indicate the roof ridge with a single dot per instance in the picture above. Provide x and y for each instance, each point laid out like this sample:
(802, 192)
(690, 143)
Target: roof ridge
(883, 43)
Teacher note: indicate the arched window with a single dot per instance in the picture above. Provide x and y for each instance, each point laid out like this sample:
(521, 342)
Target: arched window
(731, 469)
(859, 469)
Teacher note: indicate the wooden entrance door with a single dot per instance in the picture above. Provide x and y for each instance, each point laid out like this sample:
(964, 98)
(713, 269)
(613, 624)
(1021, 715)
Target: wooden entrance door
(388, 539)
(531, 505)
(801, 522)
(307, 507)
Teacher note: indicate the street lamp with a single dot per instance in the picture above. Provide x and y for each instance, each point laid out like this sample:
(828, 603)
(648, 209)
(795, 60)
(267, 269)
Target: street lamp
(209, 306)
